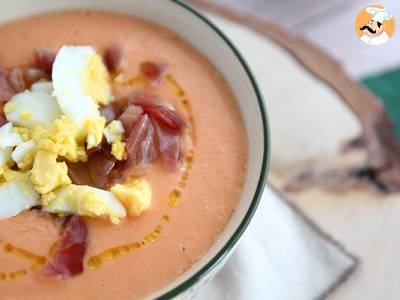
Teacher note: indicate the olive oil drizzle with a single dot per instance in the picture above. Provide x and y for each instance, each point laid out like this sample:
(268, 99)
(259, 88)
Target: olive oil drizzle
(186, 104)
(18, 274)
(174, 197)
(52, 249)
(176, 193)
(98, 260)
(179, 91)
(137, 80)
(35, 260)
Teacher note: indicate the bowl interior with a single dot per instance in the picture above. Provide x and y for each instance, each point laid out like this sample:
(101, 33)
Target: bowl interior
(207, 40)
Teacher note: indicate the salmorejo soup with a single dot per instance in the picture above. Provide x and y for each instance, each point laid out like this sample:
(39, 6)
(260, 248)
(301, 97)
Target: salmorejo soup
(122, 156)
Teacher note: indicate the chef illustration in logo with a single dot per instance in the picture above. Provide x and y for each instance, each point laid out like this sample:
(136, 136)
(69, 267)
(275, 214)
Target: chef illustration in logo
(376, 31)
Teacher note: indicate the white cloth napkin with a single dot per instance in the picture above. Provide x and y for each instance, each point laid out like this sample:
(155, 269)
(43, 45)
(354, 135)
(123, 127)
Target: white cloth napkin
(282, 256)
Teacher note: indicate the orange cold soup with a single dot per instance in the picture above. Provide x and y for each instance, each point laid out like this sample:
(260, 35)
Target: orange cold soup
(189, 207)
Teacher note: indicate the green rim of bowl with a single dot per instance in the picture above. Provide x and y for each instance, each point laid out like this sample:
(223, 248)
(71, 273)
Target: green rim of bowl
(263, 176)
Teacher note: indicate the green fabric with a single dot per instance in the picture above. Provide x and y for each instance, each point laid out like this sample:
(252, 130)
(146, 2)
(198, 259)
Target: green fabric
(387, 87)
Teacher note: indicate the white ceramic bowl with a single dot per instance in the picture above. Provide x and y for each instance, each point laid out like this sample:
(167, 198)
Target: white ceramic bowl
(207, 39)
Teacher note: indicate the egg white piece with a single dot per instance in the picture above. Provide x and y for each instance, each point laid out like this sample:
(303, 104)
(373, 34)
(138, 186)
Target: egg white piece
(23, 150)
(84, 200)
(113, 131)
(8, 138)
(5, 156)
(43, 87)
(68, 69)
(31, 109)
(17, 196)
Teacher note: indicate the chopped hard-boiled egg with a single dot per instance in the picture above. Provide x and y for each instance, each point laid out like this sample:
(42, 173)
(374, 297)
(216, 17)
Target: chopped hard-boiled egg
(47, 173)
(61, 139)
(96, 80)
(17, 195)
(8, 174)
(113, 133)
(78, 109)
(24, 154)
(135, 196)
(23, 132)
(31, 109)
(118, 150)
(80, 71)
(84, 201)
(9, 138)
(43, 87)
(81, 82)
(94, 131)
(5, 156)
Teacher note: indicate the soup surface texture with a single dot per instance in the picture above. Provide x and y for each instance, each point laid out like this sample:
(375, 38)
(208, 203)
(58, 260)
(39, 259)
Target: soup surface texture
(180, 226)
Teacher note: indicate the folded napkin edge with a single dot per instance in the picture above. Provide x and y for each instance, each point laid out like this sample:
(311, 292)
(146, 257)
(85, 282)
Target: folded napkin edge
(348, 271)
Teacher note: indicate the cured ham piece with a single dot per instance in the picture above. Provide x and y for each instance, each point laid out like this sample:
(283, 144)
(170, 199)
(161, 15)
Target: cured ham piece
(141, 142)
(157, 109)
(5, 86)
(115, 59)
(3, 119)
(6, 93)
(130, 116)
(95, 172)
(16, 79)
(108, 112)
(33, 75)
(100, 165)
(163, 115)
(162, 122)
(21, 78)
(152, 71)
(79, 174)
(67, 260)
(45, 59)
(169, 141)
